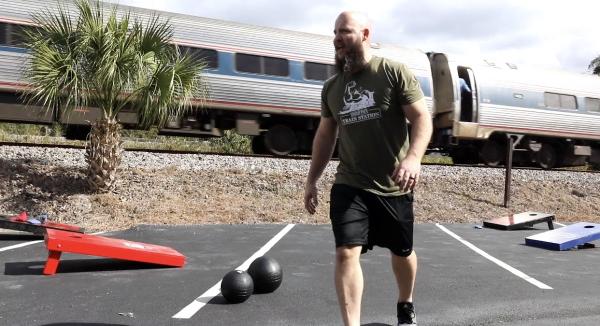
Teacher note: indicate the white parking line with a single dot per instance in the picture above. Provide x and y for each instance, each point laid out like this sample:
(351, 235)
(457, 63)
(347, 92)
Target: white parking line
(25, 244)
(20, 245)
(495, 260)
(192, 308)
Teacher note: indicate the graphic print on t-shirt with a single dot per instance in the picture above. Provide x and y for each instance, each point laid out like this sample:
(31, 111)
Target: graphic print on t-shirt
(359, 105)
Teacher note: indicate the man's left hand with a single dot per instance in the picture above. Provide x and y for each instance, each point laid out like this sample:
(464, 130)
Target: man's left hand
(406, 174)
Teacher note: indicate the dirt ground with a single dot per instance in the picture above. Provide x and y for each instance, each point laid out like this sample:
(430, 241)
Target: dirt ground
(173, 196)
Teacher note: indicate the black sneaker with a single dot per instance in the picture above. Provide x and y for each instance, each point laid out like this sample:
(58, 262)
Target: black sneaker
(406, 314)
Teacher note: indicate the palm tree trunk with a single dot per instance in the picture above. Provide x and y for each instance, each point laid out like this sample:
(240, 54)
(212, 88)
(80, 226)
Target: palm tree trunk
(103, 154)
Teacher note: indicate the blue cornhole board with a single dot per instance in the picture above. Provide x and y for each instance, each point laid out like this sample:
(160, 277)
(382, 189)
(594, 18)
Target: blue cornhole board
(566, 237)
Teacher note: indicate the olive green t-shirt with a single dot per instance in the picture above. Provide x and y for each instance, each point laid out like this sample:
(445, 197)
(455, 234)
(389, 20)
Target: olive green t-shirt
(373, 135)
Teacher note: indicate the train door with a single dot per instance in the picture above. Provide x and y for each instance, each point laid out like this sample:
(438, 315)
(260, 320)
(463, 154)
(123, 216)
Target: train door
(468, 95)
(445, 97)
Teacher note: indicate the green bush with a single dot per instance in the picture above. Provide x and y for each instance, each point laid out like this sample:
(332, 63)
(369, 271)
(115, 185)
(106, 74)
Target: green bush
(152, 133)
(231, 142)
(22, 129)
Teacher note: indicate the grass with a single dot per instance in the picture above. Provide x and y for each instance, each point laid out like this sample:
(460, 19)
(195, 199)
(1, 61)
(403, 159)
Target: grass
(30, 129)
(230, 143)
(437, 159)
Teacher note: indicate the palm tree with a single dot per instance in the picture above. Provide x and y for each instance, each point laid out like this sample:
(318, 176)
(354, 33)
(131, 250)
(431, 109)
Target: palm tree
(110, 61)
(595, 66)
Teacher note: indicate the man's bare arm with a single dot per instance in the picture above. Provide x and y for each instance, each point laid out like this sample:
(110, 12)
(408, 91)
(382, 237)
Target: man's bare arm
(421, 127)
(323, 146)
(407, 173)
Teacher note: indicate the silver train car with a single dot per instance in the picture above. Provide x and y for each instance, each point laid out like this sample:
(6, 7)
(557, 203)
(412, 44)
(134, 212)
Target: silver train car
(266, 83)
(552, 116)
(263, 82)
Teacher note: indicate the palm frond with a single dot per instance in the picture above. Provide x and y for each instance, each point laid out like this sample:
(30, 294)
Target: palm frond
(111, 60)
(595, 66)
(170, 90)
(54, 66)
(188, 83)
(156, 37)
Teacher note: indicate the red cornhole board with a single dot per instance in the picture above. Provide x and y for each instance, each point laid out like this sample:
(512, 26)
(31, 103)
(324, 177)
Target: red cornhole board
(58, 241)
(20, 223)
(519, 221)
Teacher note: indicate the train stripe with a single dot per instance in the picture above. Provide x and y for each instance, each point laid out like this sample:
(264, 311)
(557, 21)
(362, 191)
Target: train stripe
(533, 131)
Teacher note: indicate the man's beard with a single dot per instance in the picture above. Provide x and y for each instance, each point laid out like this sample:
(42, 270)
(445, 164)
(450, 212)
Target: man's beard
(352, 61)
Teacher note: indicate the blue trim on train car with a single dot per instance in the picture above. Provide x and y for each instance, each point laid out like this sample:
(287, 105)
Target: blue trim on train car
(225, 64)
(505, 96)
(425, 83)
(227, 67)
(296, 71)
(12, 49)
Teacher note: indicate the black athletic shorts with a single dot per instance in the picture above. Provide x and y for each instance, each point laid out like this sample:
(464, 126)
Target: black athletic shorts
(359, 217)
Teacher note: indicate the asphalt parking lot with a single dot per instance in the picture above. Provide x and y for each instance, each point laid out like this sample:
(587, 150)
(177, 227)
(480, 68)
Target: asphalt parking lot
(467, 276)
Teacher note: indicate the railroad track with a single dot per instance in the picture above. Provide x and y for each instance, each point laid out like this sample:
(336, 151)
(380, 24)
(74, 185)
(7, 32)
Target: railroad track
(154, 150)
(530, 168)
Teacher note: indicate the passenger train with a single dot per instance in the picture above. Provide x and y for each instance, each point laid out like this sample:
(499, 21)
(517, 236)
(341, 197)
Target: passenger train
(266, 83)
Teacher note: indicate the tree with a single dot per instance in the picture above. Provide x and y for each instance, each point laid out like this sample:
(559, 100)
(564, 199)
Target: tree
(111, 61)
(595, 66)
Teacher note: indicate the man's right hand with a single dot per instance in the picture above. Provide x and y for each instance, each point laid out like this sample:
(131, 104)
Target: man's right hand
(310, 198)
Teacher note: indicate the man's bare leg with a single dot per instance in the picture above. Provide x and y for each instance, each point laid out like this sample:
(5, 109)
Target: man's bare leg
(349, 283)
(405, 270)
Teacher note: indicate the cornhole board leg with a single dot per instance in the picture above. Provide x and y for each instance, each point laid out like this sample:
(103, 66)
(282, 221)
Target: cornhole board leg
(58, 241)
(52, 262)
(570, 236)
(520, 221)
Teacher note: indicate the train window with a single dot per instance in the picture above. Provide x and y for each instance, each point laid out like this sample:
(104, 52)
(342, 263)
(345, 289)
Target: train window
(11, 34)
(568, 102)
(210, 57)
(560, 101)
(248, 63)
(10, 98)
(592, 104)
(552, 100)
(3, 31)
(276, 66)
(18, 35)
(318, 71)
(261, 65)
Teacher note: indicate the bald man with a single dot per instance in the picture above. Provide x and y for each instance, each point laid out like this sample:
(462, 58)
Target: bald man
(367, 104)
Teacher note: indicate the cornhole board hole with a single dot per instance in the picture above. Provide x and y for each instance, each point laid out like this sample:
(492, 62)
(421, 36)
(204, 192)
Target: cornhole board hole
(20, 224)
(519, 221)
(58, 241)
(565, 238)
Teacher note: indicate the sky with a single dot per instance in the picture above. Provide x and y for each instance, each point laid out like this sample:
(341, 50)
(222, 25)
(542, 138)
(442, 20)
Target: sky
(554, 34)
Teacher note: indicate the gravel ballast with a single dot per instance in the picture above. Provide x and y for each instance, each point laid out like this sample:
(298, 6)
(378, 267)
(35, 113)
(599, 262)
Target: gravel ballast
(199, 189)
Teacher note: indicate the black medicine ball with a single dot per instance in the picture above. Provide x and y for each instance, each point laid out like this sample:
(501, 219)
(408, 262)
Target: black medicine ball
(266, 274)
(237, 286)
